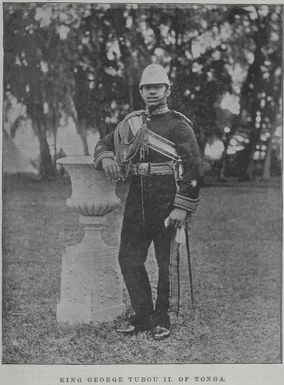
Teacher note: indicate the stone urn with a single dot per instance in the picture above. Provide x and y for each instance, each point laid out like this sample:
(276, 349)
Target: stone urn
(91, 284)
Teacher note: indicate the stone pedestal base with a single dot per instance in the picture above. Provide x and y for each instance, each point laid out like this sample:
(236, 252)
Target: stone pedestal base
(91, 287)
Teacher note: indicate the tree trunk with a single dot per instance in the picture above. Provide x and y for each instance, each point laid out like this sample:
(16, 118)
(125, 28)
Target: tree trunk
(46, 166)
(131, 97)
(55, 150)
(54, 132)
(82, 131)
(83, 137)
(267, 161)
(250, 100)
(250, 168)
(222, 169)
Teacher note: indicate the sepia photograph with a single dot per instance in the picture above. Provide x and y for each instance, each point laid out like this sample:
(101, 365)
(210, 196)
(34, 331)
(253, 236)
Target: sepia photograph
(142, 189)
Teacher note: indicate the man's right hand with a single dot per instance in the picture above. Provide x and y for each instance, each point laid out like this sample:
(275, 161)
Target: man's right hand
(111, 169)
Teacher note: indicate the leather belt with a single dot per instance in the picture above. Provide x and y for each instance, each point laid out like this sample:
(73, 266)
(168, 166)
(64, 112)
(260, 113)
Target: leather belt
(144, 169)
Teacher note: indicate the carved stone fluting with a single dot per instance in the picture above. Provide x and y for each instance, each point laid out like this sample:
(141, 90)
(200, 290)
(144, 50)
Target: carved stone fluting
(92, 192)
(91, 285)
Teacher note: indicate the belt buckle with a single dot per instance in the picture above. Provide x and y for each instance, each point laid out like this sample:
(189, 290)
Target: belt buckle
(143, 168)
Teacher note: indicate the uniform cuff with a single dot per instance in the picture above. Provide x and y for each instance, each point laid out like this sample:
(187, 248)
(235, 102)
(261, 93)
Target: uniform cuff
(185, 203)
(102, 155)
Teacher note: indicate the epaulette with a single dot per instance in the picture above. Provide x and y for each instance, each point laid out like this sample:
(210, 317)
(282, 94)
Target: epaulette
(134, 113)
(179, 115)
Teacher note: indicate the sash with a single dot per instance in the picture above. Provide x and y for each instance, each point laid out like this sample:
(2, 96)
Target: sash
(160, 144)
(151, 140)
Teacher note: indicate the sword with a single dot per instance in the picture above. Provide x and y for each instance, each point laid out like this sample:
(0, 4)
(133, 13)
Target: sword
(189, 262)
(174, 277)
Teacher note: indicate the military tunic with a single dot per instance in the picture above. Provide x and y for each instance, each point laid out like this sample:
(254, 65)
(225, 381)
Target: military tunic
(150, 200)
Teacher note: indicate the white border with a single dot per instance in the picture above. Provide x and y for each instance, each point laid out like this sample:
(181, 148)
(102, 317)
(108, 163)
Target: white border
(233, 374)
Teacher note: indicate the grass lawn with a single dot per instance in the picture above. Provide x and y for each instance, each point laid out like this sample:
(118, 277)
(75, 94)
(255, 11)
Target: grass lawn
(236, 257)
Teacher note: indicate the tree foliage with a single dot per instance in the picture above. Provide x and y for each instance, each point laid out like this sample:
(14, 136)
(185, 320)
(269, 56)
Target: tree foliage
(37, 69)
(84, 61)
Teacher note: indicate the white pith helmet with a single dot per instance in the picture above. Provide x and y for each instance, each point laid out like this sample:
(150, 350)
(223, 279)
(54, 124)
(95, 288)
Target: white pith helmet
(154, 74)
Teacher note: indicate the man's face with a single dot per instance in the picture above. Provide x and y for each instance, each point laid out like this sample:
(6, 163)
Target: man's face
(153, 93)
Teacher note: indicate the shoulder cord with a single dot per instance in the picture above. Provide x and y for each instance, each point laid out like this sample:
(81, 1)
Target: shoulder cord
(143, 151)
(127, 149)
(183, 116)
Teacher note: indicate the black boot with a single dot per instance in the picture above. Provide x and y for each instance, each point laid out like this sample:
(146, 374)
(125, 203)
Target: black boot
(160, 333)
(162, 323)
(128, 330)
(136, 325)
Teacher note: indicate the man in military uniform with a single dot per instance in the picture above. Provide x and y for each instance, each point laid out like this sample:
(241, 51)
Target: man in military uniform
(157, 151)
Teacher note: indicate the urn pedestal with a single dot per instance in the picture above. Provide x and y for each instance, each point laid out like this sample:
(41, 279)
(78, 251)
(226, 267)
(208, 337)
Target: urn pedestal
(91, 285)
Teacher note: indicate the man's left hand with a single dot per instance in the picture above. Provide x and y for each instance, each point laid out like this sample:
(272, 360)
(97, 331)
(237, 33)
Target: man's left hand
(177, 218)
